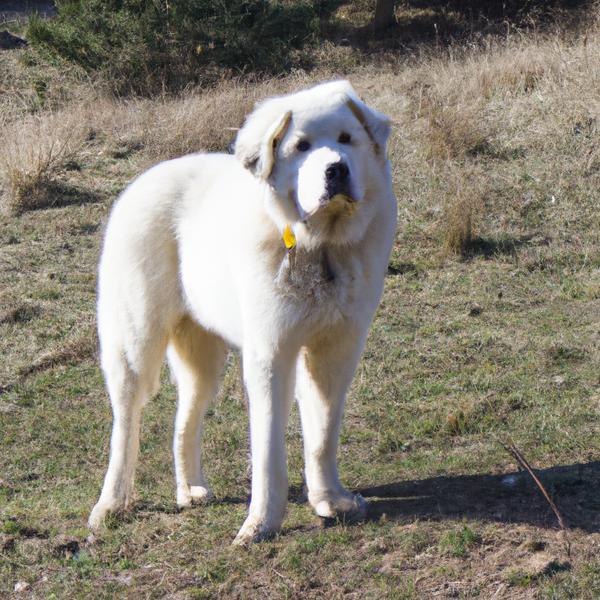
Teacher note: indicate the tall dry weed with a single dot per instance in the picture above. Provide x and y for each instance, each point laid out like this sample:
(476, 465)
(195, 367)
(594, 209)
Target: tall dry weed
(454, 131)
(461, 214)
(201, 121)
(457, 99)
(167, 127)
(35, 150)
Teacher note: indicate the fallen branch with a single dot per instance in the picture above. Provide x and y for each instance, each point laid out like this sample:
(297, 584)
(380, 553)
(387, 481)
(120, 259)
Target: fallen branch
(512, 449)
(523, 462)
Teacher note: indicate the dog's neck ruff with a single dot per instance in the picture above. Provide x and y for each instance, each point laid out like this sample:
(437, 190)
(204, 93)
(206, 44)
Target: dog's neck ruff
(304, 272)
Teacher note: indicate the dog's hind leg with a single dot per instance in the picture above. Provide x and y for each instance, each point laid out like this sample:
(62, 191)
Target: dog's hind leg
(324, 372)
(131, 378)
(196, 358)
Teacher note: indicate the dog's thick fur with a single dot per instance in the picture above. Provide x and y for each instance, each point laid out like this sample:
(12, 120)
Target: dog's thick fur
(194, 262)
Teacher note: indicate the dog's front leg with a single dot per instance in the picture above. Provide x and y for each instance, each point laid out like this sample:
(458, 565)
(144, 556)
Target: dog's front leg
(269, 383)
(325, 369)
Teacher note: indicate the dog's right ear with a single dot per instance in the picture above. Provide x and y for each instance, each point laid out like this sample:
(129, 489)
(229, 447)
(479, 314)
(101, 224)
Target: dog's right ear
(257, 140)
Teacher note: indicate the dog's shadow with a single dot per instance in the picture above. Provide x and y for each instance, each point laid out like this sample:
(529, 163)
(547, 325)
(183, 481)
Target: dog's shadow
(507, 498)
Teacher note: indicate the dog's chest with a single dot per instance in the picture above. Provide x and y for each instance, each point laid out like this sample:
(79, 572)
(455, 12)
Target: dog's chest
(321, 283)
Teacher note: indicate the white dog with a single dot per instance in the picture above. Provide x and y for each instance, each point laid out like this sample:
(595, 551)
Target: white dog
(281, 251)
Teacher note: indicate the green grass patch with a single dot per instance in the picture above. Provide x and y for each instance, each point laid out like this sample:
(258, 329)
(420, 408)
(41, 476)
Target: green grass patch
(459, 542)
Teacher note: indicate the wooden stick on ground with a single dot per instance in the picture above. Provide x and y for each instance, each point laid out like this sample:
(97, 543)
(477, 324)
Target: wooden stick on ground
(512, 449)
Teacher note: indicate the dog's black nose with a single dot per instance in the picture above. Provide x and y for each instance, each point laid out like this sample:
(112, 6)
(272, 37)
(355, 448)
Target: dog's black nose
(337, 172)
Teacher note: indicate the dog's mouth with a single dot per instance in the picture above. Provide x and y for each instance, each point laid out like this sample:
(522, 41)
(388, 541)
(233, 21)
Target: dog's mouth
(339, 203)
(341, 197)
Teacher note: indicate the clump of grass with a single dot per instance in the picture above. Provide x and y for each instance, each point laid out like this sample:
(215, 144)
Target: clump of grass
(27, 189)
(460, 215)
(37, 151)
(517, 72)
(561, 354)
(23, 313)
(458, 233)
(34, 152)
(518, 578)
(71, 352)
(458, 542)
(453, 131)
(416, 540)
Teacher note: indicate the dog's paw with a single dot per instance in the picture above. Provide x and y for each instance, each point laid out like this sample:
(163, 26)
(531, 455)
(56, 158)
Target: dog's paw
(253, 530)
(193, 494)
(101, 512)
(200, 493)
(349, 507)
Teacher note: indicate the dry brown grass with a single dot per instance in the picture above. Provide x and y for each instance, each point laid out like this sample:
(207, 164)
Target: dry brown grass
(462, 208)
(73, 351)
(482, 117)
(454, 99)
(37, 149)
(451, 111)
(453, 131)
(168, 127)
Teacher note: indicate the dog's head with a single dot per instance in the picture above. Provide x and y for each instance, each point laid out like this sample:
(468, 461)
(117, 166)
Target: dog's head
(324, 153)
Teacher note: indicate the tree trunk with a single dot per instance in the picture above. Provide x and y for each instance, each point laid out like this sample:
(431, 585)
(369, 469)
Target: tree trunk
(384, 15)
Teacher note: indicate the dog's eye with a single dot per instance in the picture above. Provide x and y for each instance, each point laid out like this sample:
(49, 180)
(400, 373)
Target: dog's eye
(303, 145)
(344, 138)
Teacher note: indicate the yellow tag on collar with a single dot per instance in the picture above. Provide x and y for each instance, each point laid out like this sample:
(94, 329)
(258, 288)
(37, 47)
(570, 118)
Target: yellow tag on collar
(289, 239)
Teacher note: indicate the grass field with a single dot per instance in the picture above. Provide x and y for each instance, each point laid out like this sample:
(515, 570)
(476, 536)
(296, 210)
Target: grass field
(488, 333)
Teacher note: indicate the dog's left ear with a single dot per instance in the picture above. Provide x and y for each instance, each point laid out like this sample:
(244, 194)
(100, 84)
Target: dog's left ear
(257, 140)
(376, 124)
